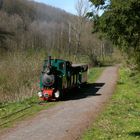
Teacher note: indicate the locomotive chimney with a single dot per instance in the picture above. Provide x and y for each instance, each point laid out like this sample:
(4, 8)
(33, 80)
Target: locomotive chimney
(49, 61)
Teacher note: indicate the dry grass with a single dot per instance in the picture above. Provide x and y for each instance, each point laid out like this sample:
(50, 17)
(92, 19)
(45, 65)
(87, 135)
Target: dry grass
(19, 75)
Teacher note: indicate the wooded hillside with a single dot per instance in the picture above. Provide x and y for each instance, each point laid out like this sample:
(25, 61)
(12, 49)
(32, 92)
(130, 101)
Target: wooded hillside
(29, 25)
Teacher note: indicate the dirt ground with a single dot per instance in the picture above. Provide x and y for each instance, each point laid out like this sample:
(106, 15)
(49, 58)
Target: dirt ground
(69, 119)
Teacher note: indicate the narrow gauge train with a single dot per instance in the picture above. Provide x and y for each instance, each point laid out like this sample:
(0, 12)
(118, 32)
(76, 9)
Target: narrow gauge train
(60, 76)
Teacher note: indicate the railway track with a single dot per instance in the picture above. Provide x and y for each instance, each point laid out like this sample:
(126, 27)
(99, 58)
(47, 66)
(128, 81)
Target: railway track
(5, 119)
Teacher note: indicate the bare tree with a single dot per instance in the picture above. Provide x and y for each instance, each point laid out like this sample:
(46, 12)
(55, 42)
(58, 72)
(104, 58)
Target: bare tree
(82, 7)
(1, 3)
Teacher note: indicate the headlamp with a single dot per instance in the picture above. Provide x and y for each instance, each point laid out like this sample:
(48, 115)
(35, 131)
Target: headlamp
(40, 94)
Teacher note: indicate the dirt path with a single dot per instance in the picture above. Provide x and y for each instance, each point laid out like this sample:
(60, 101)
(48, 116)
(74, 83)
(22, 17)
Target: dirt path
(69, 119)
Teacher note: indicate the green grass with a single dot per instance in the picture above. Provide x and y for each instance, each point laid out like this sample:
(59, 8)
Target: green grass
(94, 73)
(12, 113)
(121, 119)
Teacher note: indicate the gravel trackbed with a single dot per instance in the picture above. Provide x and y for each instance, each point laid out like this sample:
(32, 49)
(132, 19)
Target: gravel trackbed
(70, 118)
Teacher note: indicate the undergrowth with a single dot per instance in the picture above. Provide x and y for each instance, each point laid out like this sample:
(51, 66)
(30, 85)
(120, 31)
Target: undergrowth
(19, 74)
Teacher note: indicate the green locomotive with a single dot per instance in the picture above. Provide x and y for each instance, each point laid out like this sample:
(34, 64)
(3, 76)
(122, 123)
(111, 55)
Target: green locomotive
(59, 76)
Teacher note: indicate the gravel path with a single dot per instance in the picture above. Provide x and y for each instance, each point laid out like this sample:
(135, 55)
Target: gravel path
(69, 119)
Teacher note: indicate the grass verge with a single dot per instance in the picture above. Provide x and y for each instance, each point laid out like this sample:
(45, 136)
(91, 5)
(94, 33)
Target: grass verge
(94, 73)
(121, 119)
(12, 113)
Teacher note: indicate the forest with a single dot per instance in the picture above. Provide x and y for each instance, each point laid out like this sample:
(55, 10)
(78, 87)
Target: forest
(120, 24)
